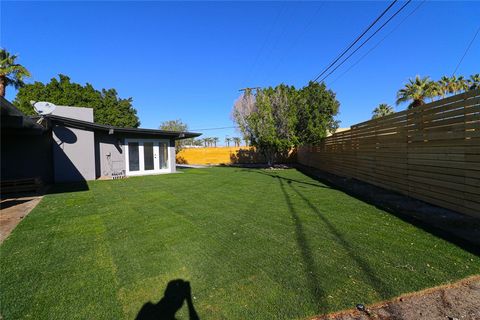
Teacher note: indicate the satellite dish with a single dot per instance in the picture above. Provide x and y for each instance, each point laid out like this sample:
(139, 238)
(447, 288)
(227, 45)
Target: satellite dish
(43, 107)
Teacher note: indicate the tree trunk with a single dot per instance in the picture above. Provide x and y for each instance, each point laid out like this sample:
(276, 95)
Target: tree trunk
(2, 85)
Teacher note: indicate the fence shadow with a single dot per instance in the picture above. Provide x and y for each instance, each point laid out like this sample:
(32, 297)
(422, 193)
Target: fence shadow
(461, 230)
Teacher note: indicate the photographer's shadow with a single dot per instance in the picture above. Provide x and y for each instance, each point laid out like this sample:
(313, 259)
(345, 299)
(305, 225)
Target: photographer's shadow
(176, 293)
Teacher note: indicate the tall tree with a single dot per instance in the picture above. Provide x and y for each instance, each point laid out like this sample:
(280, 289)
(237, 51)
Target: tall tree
(108, 108)
(215, 141)
(11, 73)
(237, 141)
(316, 108)
(382, 110)
(275, 120)
(227, 141)
(461, 84)
(179, 126)
(444, 86)
(417, 91)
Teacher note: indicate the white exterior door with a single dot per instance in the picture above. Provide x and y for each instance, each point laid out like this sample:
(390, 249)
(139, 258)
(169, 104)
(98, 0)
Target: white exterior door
(147, 156)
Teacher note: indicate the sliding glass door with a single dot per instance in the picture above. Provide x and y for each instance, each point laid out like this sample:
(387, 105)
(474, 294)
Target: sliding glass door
(145, 156)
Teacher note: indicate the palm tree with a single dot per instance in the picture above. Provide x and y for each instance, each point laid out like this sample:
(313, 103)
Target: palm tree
(11, 73)
(227, 141)
(474, 82)
(461, 84)
(382, 110)
(215, 140)
(205, 142)
(416, 90)
(237, 141)
(444, 85)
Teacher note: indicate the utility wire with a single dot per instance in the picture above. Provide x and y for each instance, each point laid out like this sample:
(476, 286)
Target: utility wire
(466, 51)
(213, 128)
(379, 42)
(356, 40)
(298, 37)
(366, 40)
(252, 68)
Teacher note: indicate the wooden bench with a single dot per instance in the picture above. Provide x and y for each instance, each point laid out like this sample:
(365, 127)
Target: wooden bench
(21, 185)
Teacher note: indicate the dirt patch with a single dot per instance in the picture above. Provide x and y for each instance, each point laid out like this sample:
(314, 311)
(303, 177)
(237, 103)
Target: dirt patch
(12, 211)
(460, 300)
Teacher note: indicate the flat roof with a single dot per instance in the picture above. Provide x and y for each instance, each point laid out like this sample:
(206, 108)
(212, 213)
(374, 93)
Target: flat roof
(86, 125)
(14, 119)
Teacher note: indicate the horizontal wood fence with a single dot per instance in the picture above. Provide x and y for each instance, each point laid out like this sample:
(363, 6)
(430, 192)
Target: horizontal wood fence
(431, 153)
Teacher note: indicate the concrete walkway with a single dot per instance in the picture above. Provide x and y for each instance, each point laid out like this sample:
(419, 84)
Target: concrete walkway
(13, 210)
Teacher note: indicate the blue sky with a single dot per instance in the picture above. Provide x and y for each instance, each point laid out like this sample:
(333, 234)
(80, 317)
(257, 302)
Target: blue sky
(187, 60)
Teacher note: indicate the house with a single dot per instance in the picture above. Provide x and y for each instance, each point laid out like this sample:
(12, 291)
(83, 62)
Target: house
(67, 145)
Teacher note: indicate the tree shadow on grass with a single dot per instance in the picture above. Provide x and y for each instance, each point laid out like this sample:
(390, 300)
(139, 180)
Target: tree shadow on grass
(177, 292)
(289, 180)
(370, 276)
(316, 290)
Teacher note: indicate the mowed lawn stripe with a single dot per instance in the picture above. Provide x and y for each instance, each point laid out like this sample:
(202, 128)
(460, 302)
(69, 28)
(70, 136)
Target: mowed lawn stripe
(253, 243)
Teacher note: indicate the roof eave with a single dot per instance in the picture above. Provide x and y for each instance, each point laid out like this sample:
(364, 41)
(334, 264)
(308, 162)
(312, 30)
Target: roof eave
(80, 124)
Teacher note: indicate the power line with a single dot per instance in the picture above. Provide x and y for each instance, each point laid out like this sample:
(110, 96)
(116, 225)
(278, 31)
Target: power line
(250, 75)
(379, 42)
(466, 51)
(298, 37)
(364, 42)
(356, 40)
(220, 128)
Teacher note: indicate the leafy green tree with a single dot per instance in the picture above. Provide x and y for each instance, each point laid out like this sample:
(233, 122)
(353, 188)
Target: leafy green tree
(227, 141)
(179, 126)
(316, 110)
(417, 91)
(11, 73)
(382, 110)
(275, 120)
(108, 108)
(215, 141)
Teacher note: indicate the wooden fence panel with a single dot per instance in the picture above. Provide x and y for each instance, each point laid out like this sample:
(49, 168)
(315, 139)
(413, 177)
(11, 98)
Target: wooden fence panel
(431, 153)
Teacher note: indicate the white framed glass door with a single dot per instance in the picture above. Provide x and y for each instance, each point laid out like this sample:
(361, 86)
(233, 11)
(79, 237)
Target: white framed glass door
(146, 156)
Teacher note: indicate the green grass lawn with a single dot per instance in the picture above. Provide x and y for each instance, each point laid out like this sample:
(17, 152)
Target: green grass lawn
(254, 244)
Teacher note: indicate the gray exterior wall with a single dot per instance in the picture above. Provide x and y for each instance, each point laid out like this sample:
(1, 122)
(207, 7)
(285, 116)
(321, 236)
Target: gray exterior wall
(73, 149)
(109, 154)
